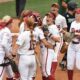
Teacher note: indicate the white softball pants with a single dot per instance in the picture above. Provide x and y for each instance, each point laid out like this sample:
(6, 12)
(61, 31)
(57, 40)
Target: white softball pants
(73, 56)
(27, 67)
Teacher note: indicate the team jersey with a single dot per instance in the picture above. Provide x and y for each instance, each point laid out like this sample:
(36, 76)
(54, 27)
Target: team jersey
(24, 41)
(22, 27)
(60, 21)
(44, 21)
(5, 40)
(39, 33)
(76, 26)
(54, 31)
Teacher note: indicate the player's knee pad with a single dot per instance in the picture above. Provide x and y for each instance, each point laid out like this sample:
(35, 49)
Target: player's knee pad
(44, 78)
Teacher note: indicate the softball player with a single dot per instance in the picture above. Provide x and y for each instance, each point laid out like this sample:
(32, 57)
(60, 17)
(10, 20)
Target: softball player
(25, 14)
(73, 53)
(60, 22)
(70, 17)
(25, 49)
(49, 55)
(6, 47)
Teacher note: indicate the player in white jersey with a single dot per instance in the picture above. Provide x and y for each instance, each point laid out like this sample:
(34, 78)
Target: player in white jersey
(49, 55)
(25, 13)
(38, 26)
(60, 22)
(73, 53)
(25, 48)
(6, 47)
(44, 20)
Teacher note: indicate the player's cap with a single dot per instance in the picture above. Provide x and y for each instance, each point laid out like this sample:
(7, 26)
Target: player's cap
(78, 11)
(72, 5)
(55, 5)
(50, 14)
(7, 19)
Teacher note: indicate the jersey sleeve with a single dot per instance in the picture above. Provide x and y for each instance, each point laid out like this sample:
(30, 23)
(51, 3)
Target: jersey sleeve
(41, 35)
(20, 39)
(6, 42)
(21, 27)
(64, 23)
(54, 31)
(44, 21)
(72, 26)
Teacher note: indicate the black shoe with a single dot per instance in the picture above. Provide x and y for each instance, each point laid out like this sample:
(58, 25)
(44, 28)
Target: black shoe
(63, 66)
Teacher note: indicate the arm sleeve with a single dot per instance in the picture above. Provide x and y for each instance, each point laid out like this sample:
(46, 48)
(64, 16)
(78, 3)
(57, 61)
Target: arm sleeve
(64, 23)
(21, 27)
(44, 21)
(41, 35)
(6, 42)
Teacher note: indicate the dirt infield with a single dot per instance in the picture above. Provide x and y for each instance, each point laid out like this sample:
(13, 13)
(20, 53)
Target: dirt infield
(60, 75)
(1, 1)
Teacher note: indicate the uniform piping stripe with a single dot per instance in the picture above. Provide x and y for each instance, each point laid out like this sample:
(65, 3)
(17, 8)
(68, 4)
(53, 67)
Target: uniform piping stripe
(46, 62)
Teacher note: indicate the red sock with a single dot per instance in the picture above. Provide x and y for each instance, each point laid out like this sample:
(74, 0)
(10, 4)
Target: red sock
(51, 77)
(53, 69)
(9, 79)
(70, 74)
(17, 75)
(33, 78)
(44, 78)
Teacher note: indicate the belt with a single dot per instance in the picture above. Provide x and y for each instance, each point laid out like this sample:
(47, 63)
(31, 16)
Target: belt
(75, 42)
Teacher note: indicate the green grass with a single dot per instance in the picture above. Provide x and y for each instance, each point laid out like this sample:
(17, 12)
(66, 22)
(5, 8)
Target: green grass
(7, 8)
(39, 5)
(42, 6)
